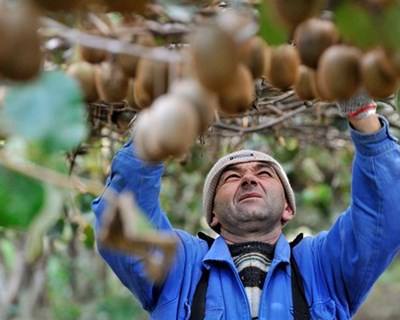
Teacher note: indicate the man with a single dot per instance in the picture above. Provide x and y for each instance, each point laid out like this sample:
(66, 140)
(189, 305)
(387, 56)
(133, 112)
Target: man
(247, 199)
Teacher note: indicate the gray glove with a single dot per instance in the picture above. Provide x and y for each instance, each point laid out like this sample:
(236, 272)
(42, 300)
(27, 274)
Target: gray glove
(357, 107)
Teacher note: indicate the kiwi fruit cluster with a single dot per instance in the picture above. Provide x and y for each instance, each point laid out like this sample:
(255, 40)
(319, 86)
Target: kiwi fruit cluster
(174, 120)
(21, 58)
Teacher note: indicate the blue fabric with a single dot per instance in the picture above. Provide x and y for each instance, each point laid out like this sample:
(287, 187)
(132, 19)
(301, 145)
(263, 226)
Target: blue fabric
(339, 266)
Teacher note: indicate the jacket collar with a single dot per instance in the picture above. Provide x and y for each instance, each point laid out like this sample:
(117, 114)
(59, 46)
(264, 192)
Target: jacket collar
(219, 252)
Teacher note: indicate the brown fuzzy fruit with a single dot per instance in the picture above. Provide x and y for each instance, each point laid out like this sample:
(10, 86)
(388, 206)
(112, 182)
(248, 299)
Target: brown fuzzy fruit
(378, 75)
(295, 11)
(339, 73)
(84, 73)
(312, 38)
(142, 98)
(284, 65)
(111, 82)
(129, 62)
(144, 138)
(214, 57)
(394, 57)
(60, 5)
(203, 100)
(159, 130)
(305, 86)
(137, 6)
(92, 55)
(239, 95)
(20, 54)
(153, 78)
(254, 55)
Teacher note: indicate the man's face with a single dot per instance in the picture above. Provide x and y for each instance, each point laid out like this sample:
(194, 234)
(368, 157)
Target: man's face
(249, 198)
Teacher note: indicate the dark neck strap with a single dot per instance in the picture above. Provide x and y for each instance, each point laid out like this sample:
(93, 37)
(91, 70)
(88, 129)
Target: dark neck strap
(301, 309)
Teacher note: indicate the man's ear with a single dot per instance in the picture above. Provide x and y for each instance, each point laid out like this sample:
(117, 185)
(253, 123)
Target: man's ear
(214, 220)
(287, 214)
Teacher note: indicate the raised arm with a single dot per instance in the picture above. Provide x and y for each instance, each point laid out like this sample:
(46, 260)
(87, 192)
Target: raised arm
(364, 239)
(131, 174)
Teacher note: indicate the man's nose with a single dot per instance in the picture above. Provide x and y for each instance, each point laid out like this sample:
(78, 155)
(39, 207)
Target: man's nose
(248, 180)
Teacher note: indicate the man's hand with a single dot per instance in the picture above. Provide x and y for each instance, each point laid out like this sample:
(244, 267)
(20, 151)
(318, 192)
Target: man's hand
(369, 124)
(361, 112)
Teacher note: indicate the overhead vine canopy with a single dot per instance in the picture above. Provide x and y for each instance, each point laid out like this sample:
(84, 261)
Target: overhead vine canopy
(74, 72)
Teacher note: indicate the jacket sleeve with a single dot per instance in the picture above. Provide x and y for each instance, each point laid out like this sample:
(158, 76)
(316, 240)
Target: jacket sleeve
(128, 173)
(364, 239)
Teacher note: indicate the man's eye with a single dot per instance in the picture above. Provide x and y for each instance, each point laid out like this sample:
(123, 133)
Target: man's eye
(232, 176)
(265, 173)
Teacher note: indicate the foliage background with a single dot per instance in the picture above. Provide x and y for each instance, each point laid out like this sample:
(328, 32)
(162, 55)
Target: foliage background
(49, 268)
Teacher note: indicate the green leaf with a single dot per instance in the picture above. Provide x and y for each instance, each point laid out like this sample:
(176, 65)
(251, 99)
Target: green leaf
(21, 199)
(390, 26)
(271, 29)
(356, 25)
(49, 111)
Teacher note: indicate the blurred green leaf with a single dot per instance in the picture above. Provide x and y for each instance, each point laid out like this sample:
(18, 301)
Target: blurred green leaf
(390, 26)
(21, 199)
(356, 25)
(271, 29)
(49, 111)
(89, 236)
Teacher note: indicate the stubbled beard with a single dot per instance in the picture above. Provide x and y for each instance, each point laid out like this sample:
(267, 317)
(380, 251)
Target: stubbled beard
(236, 220)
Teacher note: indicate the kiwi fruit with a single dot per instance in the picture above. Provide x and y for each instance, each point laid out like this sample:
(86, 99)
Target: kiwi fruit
(378, 74)
(111, 82)
(394, 58)
(158, 131)
(137, 6)
(204, 102)
(305, 86)
(292, 12)
(144, 137)
(141, 97)
(215, 57)
(254, 55)
(92, 55)
(312, 38)
(59, 5)
(84, 73)
(239, 95)
(284, 65)
(128, 62)
(339, 72)
(153, 79)
(20, 54)
(177, 123)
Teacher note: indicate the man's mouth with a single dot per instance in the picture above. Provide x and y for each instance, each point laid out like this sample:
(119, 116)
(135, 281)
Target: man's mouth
(250, 195)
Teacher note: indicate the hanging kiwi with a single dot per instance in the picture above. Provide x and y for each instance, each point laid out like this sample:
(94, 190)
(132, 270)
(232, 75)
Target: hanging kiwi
(111, 82)
(92, 55)
(305, 86)
(254, 55)
(151, 81)
(20, 53)
(144, 137)
(312, 38)
(284, 65)
(136, 6)
(214, 54)
(203, 100)
(128, 62)
(339, 72)
(378, 74)
(84, 73)
(158, 131)
(59, 5)
(292, 12)
(239, 95)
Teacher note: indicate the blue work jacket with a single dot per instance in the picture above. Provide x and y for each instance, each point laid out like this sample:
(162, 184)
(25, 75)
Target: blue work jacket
(339, 266)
